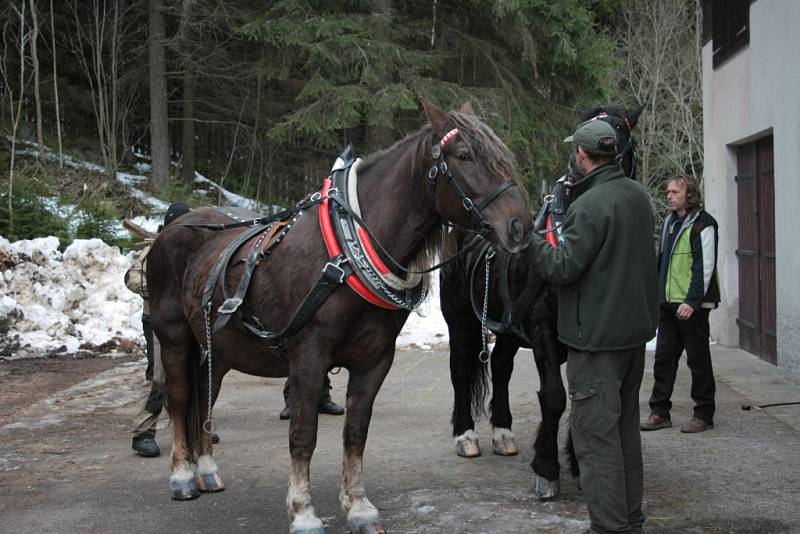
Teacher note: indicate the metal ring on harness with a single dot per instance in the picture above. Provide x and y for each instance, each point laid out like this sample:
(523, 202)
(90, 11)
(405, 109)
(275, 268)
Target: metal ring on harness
(209, 426)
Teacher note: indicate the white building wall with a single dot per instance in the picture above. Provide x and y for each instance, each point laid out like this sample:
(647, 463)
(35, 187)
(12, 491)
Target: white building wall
(753, 94)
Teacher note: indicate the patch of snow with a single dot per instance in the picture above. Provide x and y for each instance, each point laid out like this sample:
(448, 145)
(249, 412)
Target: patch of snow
(56, 302)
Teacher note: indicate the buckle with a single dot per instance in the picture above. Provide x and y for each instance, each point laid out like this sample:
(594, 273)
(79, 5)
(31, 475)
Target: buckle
(230, 305)
(333, 272)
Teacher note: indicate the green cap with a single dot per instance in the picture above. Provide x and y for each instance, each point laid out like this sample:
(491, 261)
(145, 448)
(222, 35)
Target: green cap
(589, 134)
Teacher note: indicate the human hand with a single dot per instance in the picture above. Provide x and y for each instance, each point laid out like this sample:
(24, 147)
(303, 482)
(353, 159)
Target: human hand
(684, 312)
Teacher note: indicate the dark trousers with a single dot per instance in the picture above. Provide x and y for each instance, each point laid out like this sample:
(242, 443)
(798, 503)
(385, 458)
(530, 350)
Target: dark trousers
(673, 337)
(324, 397)
(604, 419)
(147, 329)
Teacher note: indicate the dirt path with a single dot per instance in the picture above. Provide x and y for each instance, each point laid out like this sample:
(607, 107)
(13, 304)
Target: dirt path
(66, 464)
(26, 382)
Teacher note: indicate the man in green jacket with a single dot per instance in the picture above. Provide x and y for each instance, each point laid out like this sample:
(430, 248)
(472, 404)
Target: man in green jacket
(607, 281)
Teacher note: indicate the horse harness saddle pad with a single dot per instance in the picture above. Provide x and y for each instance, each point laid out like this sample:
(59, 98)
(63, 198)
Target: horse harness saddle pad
(262, 239)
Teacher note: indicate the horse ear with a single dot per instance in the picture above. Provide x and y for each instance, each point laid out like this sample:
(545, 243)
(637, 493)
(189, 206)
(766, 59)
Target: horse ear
(436, 117)
(467, 108)
(633, 115)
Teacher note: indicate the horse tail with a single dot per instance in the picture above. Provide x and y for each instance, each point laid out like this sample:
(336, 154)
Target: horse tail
(478, 385)
(196, 373)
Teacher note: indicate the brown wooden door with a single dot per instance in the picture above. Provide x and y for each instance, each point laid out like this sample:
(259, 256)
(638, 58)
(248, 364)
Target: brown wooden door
(756, 252)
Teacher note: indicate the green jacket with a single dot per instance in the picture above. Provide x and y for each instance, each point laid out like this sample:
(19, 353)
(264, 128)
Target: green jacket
(605, 267)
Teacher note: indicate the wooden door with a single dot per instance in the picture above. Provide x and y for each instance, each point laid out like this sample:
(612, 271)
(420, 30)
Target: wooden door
(756, 252)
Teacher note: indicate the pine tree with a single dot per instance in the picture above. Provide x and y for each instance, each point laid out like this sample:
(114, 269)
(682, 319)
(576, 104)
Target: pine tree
(344, 67)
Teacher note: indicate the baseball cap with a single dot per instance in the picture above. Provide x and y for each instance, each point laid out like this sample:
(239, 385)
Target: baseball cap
(588, 135)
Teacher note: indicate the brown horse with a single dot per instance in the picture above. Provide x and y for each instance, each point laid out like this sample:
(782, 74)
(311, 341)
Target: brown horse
(406, 210)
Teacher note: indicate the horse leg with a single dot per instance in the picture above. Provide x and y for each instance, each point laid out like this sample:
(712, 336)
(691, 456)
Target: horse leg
(553, 402)
(468, 377)
(362, 516)
(207, 477)
(177, 361)
(305, 384)
(502, 366)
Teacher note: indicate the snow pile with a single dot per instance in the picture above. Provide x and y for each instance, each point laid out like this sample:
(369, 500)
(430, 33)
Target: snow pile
(53, 302)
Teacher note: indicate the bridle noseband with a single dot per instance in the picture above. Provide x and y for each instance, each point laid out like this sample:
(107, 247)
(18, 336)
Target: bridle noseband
(441, 167)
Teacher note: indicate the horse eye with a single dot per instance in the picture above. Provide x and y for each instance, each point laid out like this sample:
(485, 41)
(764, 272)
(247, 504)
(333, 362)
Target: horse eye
(464, 156)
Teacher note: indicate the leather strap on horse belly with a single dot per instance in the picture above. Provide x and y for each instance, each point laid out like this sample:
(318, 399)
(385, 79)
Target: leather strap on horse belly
(332, 276)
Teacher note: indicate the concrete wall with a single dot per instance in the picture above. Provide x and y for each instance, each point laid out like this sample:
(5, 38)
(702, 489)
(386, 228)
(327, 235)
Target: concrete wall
(754, 94)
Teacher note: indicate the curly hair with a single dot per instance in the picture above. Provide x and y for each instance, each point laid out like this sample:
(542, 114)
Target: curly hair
(694, 197)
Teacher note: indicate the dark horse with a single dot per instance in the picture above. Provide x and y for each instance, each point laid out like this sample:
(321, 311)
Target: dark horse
(524, 310)
(405, 209)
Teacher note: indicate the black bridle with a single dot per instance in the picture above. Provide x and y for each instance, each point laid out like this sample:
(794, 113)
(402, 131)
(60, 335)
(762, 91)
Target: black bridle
(440, 167)
(630, 147)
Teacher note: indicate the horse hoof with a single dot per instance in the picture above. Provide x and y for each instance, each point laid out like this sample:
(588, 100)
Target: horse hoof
(183, 490)
(209, 483)
(545, 489)
(467, 445)
(503, 443)
(365, 525)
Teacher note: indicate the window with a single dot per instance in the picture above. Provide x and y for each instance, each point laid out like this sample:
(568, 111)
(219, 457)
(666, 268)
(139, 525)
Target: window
(730, 27)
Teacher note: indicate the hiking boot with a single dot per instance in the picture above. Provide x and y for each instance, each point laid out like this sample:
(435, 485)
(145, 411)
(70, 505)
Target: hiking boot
(695, 425)
(331, 408)
(284, 415)
(145, 445)
(655, 422)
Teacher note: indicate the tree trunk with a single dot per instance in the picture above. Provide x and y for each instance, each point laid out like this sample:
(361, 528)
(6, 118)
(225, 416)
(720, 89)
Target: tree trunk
(55, 89)
(35, 62)
(159, 121)
(15, 116)
(380, 136)
(189, 80)
(187, 126)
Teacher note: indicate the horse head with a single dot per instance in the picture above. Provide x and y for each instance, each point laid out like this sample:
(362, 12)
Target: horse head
(478, 189)
(623, 121)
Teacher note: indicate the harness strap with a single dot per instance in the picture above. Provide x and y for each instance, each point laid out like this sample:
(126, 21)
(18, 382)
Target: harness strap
(332, 276)
(311, 201)
(222, 261)
(497, 192)
(512, 310)
(231, 304)
(477, 237)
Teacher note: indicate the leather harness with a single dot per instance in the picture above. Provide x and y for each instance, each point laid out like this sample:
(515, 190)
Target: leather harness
(512, 308)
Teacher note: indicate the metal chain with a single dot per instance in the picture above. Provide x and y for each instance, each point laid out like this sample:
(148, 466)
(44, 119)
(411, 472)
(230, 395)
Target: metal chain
(484, 354)
(367, 270)
(208, 425)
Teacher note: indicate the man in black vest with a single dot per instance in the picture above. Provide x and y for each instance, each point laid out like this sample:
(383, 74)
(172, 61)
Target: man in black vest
(688, 291)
